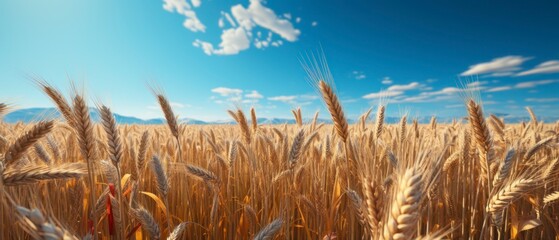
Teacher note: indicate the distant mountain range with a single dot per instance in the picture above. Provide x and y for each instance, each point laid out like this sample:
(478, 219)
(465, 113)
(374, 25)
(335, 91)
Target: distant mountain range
(35, 114)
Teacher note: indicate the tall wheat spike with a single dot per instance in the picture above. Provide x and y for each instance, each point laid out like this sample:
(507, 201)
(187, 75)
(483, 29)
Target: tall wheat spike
(482, 136)
(335, 109)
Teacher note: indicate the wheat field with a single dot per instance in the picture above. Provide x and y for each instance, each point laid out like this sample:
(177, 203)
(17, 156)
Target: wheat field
(474, 178)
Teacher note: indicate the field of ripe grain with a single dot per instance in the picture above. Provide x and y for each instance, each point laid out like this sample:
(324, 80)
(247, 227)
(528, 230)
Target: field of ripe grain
(471, 179)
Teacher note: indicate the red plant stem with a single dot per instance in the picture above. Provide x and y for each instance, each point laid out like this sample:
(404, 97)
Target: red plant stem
(110, 216)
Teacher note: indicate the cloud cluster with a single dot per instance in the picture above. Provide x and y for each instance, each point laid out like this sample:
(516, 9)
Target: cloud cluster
(296, 100)
(235, 96)
(244, 23)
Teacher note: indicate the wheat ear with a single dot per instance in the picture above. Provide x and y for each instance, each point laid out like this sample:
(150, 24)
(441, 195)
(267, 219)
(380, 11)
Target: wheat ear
(404, 211)
(34, 173)
(63, 107)
(270, 230)
(379, 121)
(296, 147)
(482, 136)
(18, 148)
(253, 119)
(169, 115)
(176, 233)
(148, 222)
(335, 109)
(506, 196)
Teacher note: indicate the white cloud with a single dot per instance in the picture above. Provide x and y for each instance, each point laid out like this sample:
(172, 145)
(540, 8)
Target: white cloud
(229, 19)
(501, 74)
(277, 43)
(383, 94)
(287, 99)
(314, 24)
(206, 46)
(233, 41)
(239, 36)
(396, 92)
(262, 43)
(298, 20)
(500, 65)
(387, 81)
(476, 84)
(542, 100)
(225, 92)
(254, 95)
(451, 91)
(309, 97)
(522, 85)
(287, 15)
(411, 86)
(258, 14)
(182, 7)
(179, 105)
(351, 100)
(196, 3)
(423, 98)
(359, 75)
(545, 67)
(499, 89)
(532, 84)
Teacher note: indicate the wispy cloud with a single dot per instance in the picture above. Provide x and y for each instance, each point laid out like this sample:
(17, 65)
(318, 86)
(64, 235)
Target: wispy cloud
(499, 89)
(502, 66)
(476, 84)
(395, 91)
(299, 100)
(532, 84)
(235, 96)
(286, 99)
(314, 24)
(359, 75)
(521, 85)
(545, 67)
(225, 92)
(254, 95)
(387, 81)
(196, 3)
(407, 87)
(542, 100)
(383, 94)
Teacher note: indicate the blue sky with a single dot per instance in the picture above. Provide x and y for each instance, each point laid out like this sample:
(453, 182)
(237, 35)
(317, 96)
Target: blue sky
(210, 56)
